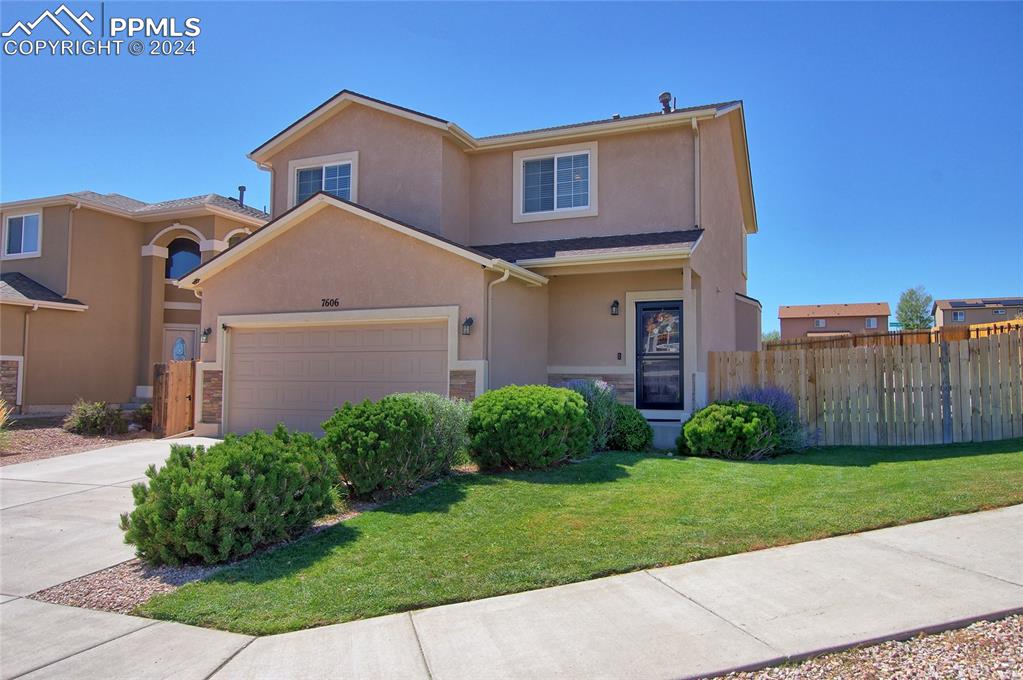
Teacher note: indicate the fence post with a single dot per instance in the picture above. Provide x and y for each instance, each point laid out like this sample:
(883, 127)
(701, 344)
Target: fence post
(946, 394)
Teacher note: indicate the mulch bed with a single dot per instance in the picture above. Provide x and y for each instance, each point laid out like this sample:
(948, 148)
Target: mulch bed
(28, 439)
(985, 650)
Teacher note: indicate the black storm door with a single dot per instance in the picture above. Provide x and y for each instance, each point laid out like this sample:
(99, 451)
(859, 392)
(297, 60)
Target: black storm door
(659, 355)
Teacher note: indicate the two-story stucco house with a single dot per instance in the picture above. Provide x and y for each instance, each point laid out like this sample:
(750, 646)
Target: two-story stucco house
(406, 254)
(830, 321)
(87, 296)
(965, 311)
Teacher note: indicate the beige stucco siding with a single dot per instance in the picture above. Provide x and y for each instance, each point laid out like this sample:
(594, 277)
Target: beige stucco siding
(519, 317)
(645, 184)
(582, 331)
(400, 163)
(335, 254)
(455, 194)
(747, 325)
(50, 268)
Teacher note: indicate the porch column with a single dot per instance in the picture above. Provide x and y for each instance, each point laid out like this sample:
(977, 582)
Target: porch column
(210, 248)
(690, 340)
(151, 318)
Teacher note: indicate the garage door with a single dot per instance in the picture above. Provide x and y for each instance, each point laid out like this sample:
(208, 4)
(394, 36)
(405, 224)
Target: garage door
(298, 376)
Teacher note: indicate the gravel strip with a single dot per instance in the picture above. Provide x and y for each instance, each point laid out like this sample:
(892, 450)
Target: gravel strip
(31, 439)
(123, 587)
(986, 650)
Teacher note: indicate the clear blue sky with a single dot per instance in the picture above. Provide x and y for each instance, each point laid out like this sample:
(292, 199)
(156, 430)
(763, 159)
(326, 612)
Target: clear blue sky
(886, 140)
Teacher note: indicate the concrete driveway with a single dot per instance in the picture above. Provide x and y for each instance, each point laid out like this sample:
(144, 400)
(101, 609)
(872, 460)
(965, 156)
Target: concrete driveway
(59, 521)
(59, 516)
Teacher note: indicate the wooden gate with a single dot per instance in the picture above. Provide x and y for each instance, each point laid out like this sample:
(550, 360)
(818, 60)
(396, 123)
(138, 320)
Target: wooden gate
(173, 399)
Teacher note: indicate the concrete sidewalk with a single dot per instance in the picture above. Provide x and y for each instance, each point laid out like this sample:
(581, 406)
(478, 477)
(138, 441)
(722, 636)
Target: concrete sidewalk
(59, 521)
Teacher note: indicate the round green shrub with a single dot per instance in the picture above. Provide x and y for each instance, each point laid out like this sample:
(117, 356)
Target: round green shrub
(528, 426)
(384, 448)
(736, 430)
(218, 504)
(631, 430)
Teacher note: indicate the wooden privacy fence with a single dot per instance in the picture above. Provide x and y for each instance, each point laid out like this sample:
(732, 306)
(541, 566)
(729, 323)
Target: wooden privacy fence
(173, 387)
(963, 391)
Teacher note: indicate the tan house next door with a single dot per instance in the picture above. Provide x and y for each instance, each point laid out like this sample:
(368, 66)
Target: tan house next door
(299, 375)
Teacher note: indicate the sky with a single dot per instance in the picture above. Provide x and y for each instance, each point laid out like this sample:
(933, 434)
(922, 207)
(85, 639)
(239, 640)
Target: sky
(886, 140)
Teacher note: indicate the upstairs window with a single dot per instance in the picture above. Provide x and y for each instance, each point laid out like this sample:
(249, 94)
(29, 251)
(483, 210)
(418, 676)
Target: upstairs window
(336, 175)
(182, 257)
(959, 316)
(554, 183)
(22, 236)
(820, 323)
(561, 182)
(999, 312)
(871, 322)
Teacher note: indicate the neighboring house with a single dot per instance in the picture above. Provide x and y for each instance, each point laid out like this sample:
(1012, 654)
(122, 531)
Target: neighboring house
(406, 254)
(976, 310)
(87, 299)
(824, 321)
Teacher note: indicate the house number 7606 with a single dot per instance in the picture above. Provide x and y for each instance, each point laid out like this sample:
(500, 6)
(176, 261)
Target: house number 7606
(330, 302)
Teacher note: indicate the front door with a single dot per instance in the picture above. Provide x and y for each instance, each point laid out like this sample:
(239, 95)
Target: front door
(179, 343)
(659, 355)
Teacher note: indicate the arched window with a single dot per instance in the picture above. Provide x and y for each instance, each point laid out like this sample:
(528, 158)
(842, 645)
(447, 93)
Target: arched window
(182, 257)
(235, 240)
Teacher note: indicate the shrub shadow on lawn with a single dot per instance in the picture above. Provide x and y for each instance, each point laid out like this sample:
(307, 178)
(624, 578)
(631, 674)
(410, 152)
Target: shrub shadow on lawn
(284, 560)
(865, 456)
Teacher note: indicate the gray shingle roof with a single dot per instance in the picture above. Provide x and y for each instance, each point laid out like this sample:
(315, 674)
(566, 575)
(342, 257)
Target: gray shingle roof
(119, 202)
(592, 245)
(20, 288)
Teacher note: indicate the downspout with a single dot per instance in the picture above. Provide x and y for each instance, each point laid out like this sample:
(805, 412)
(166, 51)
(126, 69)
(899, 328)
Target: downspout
(24, 359)
(70, 241)
(696, 174)
(490, 318)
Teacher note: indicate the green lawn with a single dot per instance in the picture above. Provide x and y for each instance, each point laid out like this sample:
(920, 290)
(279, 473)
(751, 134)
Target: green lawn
(474, 536)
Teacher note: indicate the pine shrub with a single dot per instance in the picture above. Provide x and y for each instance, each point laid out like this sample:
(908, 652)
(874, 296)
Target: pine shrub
(530, 426)
(95, 417)
(631, 430)
(221, 503)
(736, 430)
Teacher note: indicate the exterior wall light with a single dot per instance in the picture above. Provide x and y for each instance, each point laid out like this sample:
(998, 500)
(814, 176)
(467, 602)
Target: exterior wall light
(467, 326)
(207, 332)
(614, 308)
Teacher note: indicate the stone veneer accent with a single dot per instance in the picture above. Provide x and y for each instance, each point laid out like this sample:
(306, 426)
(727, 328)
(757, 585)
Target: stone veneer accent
(624, 384)
(462, 384)
(9, 381)
(212, 396)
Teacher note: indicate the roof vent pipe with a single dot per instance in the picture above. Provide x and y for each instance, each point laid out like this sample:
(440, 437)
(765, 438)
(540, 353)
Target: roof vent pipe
(665, 99)
(241, 195)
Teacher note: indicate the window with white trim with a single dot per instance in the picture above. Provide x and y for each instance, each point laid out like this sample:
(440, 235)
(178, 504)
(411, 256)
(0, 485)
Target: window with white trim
(820, 323)
(334, 179)
(558, 182)
(871, 322)
(959, 316)
(22, 235)
(999, 312)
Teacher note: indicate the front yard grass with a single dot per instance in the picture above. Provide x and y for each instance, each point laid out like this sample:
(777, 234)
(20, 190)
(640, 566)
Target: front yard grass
(477, 535)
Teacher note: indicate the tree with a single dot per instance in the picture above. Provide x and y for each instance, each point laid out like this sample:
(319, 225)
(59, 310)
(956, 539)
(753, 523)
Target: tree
(914, 310)
(770, 336)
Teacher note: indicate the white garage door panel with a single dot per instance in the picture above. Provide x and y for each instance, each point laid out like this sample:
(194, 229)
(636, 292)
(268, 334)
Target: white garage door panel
(298, 376)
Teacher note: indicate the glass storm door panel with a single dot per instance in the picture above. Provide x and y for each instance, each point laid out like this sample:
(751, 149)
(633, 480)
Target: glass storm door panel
(659, 355)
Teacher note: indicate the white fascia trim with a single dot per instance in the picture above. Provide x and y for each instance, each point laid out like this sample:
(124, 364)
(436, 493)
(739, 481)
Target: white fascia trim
(212, 245)
(21, 374)
(261, 154)
(155, 251)
(43, 305)
(608, 258)
(349, 157)
(190, 306)
(322, 201)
